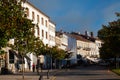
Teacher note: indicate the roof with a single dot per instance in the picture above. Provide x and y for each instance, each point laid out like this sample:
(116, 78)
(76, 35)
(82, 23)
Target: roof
(37, 8)
(79, 37)
(58, 33)
(88, 37)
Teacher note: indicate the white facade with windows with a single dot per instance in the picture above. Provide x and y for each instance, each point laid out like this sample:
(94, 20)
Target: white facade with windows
(52, 34)
(86, 48)
(81, 46)
(44, 28)
(64, 43)
(62, 40)
(40, 20)
(72, 48)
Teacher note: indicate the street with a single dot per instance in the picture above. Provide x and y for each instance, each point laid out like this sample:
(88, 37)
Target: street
(87, 73)
(78, 73)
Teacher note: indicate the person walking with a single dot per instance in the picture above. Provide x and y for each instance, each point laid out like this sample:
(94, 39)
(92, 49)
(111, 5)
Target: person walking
(33, 67)
(29, 66)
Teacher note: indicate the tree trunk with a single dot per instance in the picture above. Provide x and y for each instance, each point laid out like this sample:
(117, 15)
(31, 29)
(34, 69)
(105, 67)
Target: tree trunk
(117, 62)
(23, 67)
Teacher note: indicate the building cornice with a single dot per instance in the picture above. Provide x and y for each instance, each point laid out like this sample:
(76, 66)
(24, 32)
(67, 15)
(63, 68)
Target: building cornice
(37, 9)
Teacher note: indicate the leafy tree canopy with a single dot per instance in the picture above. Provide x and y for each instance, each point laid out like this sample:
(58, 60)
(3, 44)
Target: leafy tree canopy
(110, 35)
(13, 24)
(56, 53)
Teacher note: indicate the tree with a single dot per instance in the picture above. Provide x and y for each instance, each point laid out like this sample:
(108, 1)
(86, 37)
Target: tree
(110, 35)
(10, 11)
(57, 53)
(13, 25)
(39, 49)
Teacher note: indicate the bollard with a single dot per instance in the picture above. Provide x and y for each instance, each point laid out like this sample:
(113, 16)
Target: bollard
(41, 77)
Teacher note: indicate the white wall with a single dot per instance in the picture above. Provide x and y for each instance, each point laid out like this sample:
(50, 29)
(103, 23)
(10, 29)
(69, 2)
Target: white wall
(40, 25)
(72, 47)
(51, 34)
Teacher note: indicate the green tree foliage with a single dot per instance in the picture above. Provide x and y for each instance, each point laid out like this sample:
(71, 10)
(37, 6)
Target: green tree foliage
(39, 47)
(56, 53)
(110, 35)
(9, 13)
(13, 24)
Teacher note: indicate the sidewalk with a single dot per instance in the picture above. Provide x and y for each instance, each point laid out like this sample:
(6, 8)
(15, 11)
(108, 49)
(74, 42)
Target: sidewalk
(29, 76)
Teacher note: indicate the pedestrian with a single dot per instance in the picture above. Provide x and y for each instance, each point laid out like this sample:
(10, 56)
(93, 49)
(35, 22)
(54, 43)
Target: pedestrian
(33, 67)
(17, 66)
(29, 65)
(37, 68)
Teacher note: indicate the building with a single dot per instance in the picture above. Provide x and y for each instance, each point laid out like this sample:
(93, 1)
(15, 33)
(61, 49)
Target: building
(44, 30)
(78, 44)
(67, 43)
(82, 45)
(52, 29)
(61, 40)
(72, 48)
(87, 46)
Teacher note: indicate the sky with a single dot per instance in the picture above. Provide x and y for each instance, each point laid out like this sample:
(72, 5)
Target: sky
(79, 15)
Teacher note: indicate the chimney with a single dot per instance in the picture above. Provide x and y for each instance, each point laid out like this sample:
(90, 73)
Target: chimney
(91, 34)
(86, 33)
(78, 32)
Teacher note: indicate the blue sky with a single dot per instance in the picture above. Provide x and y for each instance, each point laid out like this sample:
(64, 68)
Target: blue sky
(79, 15)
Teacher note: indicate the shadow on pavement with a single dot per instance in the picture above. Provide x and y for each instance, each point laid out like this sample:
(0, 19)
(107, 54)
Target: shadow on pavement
(77, 74)
(104, 79)
(91, 67)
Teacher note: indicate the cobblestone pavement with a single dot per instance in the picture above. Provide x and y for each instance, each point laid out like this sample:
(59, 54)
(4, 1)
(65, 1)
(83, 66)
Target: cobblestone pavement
(29, 76)
(79, 73)
(87, 73)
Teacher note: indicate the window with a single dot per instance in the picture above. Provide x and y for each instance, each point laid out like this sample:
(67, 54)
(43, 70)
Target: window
(11, 56)
(46, 35)
(42, 33)
(38, 18)
(46, 23)
(49, 37)
(38, 30)
(27, 12)
(33, 15)
(42, 21)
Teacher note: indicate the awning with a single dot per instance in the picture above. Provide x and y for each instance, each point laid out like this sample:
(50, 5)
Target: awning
(16, 54)
(19, 56)
(27, 58)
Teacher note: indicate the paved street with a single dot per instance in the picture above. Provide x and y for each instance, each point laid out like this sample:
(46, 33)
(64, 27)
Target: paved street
(79, 73)
(29, 76)
(87, 73)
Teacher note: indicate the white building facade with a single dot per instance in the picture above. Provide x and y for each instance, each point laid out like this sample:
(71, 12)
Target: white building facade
(72, 47)
(88, 49)
(52, 29)
(44, 27)
(44, 30)
(62, 40)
